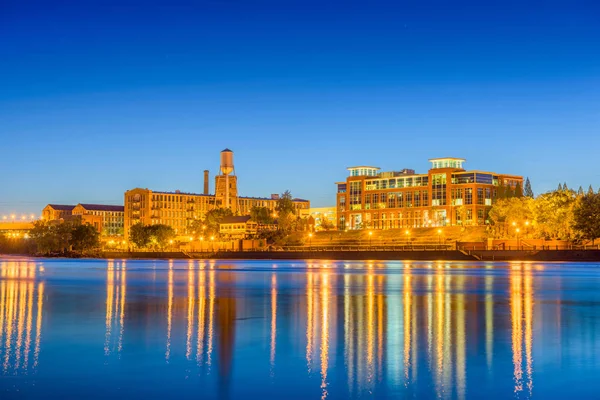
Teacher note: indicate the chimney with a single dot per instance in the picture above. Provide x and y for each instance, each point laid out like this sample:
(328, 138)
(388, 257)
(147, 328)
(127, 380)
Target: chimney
(205, 181)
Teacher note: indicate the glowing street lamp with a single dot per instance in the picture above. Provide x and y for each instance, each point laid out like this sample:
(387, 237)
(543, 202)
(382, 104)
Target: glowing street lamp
(439, 231)
(370, 237)
(310, 239)
(212, 243)
(518, 230)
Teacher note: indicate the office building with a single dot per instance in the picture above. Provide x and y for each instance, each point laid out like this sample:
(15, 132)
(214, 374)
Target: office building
(446, 195)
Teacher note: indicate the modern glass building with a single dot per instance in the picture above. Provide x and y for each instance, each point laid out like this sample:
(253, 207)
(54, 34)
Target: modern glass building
(446, 195)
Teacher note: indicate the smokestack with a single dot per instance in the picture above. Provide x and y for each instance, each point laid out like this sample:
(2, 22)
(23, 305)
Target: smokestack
(205, 181)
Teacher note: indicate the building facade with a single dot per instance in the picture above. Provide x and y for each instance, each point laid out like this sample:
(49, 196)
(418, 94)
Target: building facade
(54, 212)
(109, 220)
(179, 209)
(446, 195)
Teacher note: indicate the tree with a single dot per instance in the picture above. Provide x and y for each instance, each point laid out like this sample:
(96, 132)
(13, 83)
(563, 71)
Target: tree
(84, 237)
(553, 213)
(261, 215)
(590, 190)
(285, 212)
(325, 223)
(506, 211)
(528, 192)
(560, 188)
(159, 235)
(139, 236)
(285, 204)
(565, 186)
(42, 235)
(213, 218)
(586, 216)
(518, 191)
(580, 191)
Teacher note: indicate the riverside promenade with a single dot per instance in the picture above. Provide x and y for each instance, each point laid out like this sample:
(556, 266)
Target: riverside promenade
(374, 254)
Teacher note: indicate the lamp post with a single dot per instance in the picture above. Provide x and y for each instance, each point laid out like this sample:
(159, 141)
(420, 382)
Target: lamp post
(310, 240)
(212, 243)
(518, 230)
(439, 237)
(370, 238)
(407, 233)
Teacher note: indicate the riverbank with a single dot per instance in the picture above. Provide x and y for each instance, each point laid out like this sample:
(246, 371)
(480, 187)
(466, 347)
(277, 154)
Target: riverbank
(434, 255)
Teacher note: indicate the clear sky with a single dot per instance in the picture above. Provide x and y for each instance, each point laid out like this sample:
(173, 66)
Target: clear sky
(97, 97)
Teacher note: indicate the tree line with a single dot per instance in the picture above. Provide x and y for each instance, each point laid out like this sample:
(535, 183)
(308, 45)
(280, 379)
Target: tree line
(562, 214)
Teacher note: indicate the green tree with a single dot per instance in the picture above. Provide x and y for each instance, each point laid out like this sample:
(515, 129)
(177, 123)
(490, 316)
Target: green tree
(553, 213)
(580, 191)
(139, 235)
(528, 191)
(261, 215)
(160, 235)
(285, 212)
(586, 216)
(42, 235)
(560, 188)
(325, 224)
(84, 237)
(213, 218)
(518, 191)
(505, 212)
(590, 190)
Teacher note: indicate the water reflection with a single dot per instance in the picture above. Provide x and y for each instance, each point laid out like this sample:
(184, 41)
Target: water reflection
(521, 306)
(21, 311)
(116, 290)
(329, 330)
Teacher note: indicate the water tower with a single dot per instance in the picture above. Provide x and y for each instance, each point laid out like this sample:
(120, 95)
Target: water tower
(226, 182)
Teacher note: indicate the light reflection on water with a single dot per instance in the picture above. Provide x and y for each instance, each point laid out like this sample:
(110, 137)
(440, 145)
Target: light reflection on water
(299, 330)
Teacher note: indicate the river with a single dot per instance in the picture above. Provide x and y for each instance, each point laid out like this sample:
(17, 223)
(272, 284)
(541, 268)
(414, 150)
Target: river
(298, 329)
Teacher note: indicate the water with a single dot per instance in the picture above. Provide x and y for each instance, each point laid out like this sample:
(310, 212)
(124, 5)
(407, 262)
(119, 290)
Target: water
(298, 330)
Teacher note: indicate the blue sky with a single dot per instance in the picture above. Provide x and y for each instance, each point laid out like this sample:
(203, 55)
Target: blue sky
(98, 97)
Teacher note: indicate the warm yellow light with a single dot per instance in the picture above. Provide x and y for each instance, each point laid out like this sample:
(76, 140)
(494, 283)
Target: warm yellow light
(32, 216)
(212, 238)
(518, 230)
(123, 242)
(4, 217)
(12, 216)
(191, 238)
(310, 235)
(171, 241)
(527, 223)
(23, 217)
(439, 231)
(370, 233)
(514, 223)
(201, 238)
(203, 227)
(407, 232)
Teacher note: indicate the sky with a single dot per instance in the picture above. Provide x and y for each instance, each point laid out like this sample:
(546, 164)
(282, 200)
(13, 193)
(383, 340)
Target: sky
(98, 97)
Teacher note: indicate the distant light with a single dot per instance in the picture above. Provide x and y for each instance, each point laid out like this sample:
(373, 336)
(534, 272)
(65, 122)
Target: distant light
(212, 238)
(439, 231)
(191, 238)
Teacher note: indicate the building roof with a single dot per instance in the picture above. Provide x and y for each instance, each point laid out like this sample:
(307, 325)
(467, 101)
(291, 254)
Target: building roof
(102, 207)
(235, 220)
(61, 207)
(447, 158)
(363, 166)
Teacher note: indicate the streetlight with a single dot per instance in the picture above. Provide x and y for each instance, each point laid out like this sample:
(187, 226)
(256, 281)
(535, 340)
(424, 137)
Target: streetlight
(370, 237)
(439, 236)
(518, 230)
(310, 240)
(212, 243)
